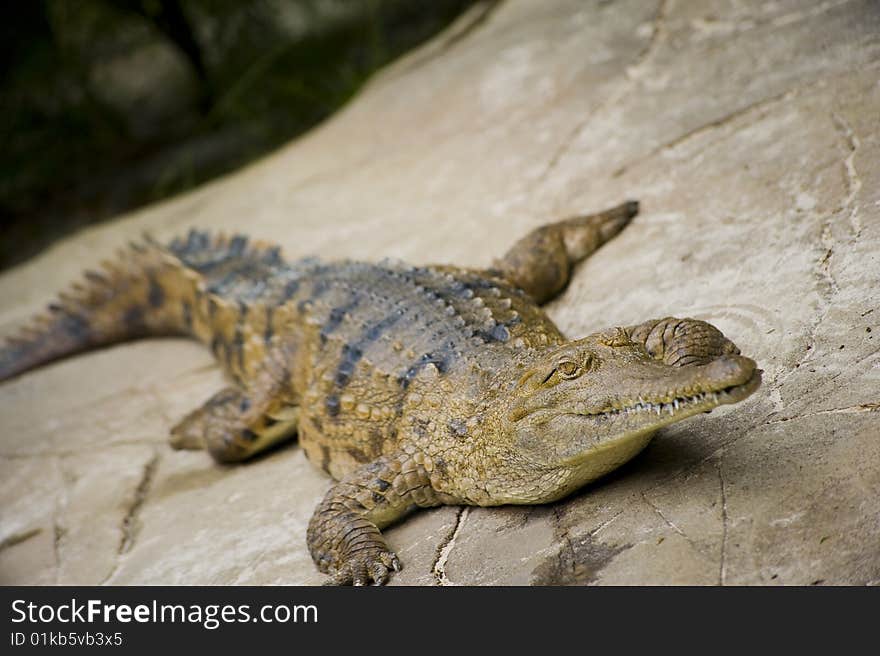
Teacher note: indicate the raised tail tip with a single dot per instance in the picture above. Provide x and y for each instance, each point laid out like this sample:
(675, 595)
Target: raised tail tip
(614, 220)
(630, 208)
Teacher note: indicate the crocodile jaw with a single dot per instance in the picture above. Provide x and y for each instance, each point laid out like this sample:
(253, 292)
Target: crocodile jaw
(619, 426)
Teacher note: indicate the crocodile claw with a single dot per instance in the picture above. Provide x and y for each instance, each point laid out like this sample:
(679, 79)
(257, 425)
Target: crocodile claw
(368, 567)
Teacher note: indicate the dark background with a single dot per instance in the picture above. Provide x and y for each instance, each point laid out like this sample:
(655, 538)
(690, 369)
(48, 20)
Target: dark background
(111, 104)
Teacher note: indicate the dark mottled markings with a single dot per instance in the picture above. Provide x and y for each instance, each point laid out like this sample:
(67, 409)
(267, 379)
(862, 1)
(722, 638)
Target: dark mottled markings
(354, 351)
(272, 256)
(337, 314)
(460, 289)
(350, 357)
(195, 241)
(498, 333)
(155, 294)
(133, 318)
(233, 269)
(95, 277)
(377, 498)
(223, 397)
(238, 338)
(236, 349)
(420, 426)
(245, 404)
(374, 467)
(439, 360)
(269, 331)
(467, 288)
(325, 458)
(432, 287)
(320, 287)
(237, 245)
(75, 326)
(221, 285)
(290, 288)
(332, 404)
(382, 485)
(376, 441)
(357, 454)
(187, 315)
(457, 427)
(248, 435)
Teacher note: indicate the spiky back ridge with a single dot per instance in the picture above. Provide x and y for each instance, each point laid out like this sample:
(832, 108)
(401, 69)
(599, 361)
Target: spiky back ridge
(194, 287)
(239, 297)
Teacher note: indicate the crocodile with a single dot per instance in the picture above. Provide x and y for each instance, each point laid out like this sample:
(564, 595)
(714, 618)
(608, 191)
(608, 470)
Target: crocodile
(412, 386)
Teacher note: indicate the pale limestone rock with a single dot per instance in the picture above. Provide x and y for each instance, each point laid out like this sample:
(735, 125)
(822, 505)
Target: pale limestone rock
(750, 133)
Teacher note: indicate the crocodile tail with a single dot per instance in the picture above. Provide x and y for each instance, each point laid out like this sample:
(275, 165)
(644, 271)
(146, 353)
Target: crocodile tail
(128, 297)
(147, 290)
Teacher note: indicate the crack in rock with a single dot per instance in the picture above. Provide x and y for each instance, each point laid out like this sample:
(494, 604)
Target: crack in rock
(722, 564)
(759, 109)
(579, 560)
(58, 532)
(658, 32)
(61, 502)
(670, 523)
(824, 267)
(853, 181)
(633, 73)
(21, 536)
(852, 409)
(129, 524)
(728, 28)
(606, 523)
(446, 546)
(828, 286)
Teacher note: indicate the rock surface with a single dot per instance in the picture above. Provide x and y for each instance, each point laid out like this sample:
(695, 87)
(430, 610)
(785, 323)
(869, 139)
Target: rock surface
(750, 131)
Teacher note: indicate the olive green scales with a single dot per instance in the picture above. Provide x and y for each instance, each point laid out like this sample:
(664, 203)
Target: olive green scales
(412, 386)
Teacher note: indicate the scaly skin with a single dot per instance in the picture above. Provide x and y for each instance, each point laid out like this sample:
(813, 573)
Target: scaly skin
(412, 386)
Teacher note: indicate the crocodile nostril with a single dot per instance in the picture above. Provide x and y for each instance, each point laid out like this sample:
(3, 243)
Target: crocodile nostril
(730, 367)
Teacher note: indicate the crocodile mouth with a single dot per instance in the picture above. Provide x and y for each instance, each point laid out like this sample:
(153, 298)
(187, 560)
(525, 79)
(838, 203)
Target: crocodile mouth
(679, 406)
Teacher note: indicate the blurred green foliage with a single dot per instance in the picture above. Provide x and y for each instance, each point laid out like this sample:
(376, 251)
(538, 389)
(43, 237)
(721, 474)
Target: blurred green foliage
(110, 104)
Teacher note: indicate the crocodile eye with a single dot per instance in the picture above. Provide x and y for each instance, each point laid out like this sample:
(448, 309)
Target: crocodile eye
(568, 369)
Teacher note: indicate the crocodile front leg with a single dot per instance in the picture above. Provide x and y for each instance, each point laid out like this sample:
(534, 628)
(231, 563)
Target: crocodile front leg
(344, 533)
(681, 342)
(236, 424)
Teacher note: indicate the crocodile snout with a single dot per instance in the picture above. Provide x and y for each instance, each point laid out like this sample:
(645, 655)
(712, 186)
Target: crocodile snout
(729, 370)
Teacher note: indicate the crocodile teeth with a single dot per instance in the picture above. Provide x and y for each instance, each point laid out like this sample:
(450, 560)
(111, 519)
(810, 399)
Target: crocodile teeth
(641, 405)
